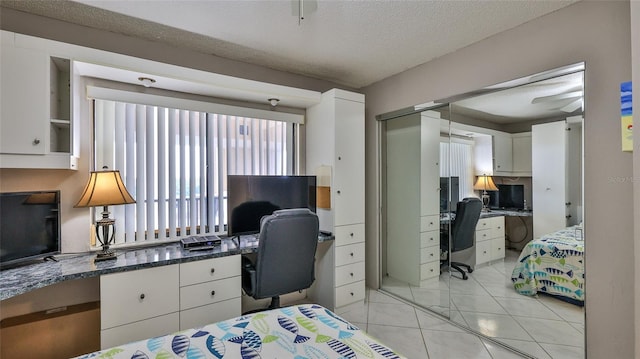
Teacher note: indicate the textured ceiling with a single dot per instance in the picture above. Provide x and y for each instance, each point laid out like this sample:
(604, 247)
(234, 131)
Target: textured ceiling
(353, 43)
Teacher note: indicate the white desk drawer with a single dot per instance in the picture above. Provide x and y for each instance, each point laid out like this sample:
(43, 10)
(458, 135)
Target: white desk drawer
(429, 239)
(210, 292)
(137, 295)
(483, 252)
(144, 329)
(497, 248)
(348, 254)
(349, 273)
(350, 293)
(349, 234)
(209, 269)
(429, 270)
(207, 314)
(429, 223)
(484, 235)
(429, 254)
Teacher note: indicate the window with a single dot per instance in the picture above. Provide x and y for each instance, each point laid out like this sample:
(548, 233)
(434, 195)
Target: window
(175, 163)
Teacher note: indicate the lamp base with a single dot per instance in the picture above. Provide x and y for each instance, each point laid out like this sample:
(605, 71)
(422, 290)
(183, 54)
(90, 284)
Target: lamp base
(105, 256)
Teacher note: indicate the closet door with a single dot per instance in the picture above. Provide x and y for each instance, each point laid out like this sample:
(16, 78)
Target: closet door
(549, 177)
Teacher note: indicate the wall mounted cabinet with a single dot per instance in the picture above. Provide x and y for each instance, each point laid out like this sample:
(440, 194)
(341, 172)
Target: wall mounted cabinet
(36, 127)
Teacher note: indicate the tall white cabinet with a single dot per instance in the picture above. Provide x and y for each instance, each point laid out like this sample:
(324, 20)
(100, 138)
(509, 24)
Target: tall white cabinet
(412, 244)
(335, 140)
(557, 175)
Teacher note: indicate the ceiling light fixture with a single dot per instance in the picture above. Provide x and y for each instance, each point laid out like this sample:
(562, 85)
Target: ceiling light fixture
(146, 81)
(274, 101)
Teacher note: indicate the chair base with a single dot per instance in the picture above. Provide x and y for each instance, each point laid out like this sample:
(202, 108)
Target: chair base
(275, 304)
(458, 266)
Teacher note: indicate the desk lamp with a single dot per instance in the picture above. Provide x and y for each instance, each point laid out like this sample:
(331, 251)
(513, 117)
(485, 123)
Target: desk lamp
(484, 184)
(105, 188)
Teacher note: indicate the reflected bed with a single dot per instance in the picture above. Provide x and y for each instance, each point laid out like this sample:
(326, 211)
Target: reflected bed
(553, 264)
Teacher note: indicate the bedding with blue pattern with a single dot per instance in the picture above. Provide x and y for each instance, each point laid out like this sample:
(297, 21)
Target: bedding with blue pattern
(304, 331)
(552, 264)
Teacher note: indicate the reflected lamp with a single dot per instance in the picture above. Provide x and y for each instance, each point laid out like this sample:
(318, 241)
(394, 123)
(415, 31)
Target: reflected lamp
(485, 183)
(105, 188)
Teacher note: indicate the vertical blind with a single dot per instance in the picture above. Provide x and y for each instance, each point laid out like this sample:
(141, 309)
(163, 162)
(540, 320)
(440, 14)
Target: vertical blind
(175, 163)
(456, 160)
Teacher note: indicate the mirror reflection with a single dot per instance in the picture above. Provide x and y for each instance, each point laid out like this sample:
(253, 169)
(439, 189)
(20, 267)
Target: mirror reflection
(507, 204)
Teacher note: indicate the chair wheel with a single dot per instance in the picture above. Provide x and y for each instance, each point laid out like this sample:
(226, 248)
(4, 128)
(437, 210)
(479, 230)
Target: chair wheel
(470, 270)
(464, 276)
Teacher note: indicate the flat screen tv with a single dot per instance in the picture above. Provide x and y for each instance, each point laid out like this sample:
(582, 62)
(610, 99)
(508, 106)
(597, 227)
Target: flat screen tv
(445, 185)
(29, 226)
(249, 198)
(508, 196)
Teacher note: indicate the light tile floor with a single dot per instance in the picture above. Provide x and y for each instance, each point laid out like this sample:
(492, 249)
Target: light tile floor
(543, 327)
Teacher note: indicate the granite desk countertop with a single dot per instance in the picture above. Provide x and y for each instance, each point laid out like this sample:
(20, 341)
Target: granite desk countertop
(19, 280)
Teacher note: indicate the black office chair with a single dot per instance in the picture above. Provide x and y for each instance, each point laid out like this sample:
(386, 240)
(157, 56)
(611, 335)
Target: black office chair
(286, 255)
(463, 231)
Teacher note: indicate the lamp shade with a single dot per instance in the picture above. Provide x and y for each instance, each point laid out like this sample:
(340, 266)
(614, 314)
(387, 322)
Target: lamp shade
(485, 183)
(104, 188)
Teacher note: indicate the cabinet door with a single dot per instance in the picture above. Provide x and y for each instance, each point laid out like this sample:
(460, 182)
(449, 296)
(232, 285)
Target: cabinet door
(348, 186)
(23, 114)
(522, 153)
(549, 177)
(502, 153)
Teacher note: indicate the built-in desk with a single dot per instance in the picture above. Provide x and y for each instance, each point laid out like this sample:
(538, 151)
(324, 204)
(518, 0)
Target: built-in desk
(26, 278)
(150, 291)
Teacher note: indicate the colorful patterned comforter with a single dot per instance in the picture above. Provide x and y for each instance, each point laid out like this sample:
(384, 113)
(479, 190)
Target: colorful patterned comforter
(552, 264)
(305, 331)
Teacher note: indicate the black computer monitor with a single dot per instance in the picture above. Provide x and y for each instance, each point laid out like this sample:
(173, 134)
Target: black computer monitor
(445, 184)
(249, 198)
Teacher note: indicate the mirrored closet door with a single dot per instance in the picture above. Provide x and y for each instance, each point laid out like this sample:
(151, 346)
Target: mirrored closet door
(517, 147)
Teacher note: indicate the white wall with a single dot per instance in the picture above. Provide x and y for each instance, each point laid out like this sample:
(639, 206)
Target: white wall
(597, 32)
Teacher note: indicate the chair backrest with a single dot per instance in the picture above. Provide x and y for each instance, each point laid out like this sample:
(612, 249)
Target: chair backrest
(464, 226)
(286, 255)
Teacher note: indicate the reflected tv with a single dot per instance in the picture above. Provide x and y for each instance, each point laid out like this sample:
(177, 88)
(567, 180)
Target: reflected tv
(249, 198)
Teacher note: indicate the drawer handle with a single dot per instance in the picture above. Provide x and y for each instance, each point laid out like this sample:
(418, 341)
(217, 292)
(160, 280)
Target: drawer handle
(351, 254)
(431, 223)
(485, 252)
(431, 254)
(351, 274)
(213, 292)
(351, 234)
(36, 141)
(431, 270)
(213, 270)
(338, 191)
(351, 294)
(142, 296)
(339, 158)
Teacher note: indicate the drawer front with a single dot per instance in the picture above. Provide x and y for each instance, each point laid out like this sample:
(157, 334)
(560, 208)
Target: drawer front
(498, 231)
(430, 223)
(349, 273)
(429, 254)
(197, 295)
(429, 239)
(349, 234)
(484, 235)
(350, 293)
(484, 223)
(497, 248)
(429, 270)
(136, 295)
(349, 254)
(209, 269)
(483, 252)
(207, 314)
(145, 329)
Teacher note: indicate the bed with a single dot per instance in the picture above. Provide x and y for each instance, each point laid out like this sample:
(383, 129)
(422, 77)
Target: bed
(304, 331)
(553, 264)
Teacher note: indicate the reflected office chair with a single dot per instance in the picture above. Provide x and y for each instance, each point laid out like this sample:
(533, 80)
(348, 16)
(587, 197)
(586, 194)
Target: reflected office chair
(463, 231)
(286, 255)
